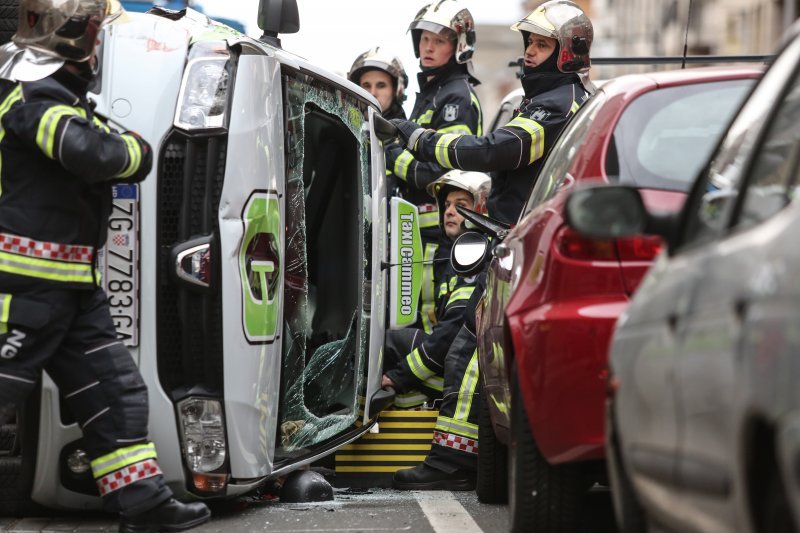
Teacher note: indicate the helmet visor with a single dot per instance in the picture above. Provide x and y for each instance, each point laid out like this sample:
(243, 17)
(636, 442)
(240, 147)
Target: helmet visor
(434, 28)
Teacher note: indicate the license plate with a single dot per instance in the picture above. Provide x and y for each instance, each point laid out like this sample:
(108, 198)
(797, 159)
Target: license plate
(119, 262)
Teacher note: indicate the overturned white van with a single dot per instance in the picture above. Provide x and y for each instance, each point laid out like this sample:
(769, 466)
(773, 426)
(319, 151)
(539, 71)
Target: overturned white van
(248, 274)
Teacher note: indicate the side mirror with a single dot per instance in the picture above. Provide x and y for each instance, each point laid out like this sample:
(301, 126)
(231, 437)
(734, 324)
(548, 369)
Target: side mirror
(469, 253)
(276, 17)
(607, 211)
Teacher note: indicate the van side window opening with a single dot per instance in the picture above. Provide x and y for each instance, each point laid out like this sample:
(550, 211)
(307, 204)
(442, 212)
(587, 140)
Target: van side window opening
(327, 179)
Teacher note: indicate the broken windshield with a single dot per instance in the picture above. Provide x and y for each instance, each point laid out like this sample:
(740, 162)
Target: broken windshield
(324, 340)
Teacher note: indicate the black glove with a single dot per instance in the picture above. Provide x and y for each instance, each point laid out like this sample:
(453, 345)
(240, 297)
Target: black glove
(409, 132)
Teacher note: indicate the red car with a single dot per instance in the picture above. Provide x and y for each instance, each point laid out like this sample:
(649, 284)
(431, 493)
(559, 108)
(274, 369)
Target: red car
(553, 296)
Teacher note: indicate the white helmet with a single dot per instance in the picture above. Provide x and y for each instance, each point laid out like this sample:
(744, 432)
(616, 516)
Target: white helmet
(566, 22)
(63, 29)
(443, 16)
(477, 184)
(376, 59)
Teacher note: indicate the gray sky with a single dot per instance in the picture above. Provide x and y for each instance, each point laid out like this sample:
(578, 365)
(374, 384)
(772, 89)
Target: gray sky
(334, 32)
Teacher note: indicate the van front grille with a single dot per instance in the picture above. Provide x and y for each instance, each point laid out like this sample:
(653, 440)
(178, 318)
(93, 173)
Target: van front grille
(189, 322)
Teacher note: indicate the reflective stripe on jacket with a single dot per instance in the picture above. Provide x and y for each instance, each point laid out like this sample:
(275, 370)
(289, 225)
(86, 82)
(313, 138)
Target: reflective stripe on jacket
(513, 152)
(57, 162)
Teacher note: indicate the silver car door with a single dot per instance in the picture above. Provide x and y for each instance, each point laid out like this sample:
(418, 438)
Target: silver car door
(738, 282)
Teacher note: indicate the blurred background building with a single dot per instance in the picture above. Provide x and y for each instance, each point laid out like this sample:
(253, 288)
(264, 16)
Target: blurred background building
(624, 28)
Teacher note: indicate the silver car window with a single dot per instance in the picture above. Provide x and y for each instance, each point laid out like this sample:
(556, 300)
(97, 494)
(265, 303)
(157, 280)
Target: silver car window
(773, 177)
(711, 204)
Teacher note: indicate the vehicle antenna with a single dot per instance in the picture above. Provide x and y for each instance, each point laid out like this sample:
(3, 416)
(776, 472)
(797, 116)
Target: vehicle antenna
(686, 37)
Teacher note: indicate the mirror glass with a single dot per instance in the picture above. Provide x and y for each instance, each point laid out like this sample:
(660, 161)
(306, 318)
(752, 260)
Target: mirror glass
(469, 249)
(607, 211)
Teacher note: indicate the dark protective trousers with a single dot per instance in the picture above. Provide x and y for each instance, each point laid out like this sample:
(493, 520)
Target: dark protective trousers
(70, 334)
(455, 436)
(398, 344)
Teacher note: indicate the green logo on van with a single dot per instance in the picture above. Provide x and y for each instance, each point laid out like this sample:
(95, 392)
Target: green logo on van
(260, 267)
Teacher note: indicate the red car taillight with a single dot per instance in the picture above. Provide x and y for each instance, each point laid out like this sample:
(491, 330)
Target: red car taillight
(573, 245)
(639, 248)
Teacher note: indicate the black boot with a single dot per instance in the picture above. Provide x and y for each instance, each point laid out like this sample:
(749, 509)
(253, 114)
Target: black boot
(424, 477)
(171, 515)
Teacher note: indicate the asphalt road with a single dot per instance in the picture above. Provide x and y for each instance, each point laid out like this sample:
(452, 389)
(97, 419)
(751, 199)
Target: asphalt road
(351, 510)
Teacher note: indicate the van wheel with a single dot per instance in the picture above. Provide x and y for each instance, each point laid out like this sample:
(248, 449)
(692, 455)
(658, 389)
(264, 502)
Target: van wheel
(541, 497)
(629, 513)
(18, 461)
(8, 19)
(492, 485)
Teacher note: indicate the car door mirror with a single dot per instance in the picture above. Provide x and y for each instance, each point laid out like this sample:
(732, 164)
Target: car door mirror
(469, 253)
(607, 212)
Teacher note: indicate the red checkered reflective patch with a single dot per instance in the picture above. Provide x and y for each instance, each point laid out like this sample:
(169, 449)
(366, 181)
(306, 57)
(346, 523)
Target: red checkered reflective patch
(72, 253)
(128, 475)
(457, 442)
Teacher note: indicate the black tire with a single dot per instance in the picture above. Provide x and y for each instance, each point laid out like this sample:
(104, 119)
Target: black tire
(542, 497)
(9, 10)
(629, 513)
(17, 470)
(8, 435)
(777, 511)
(492, 485)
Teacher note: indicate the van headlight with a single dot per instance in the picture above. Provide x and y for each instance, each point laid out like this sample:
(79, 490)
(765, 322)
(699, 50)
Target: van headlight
(202, 433)
(203, 99)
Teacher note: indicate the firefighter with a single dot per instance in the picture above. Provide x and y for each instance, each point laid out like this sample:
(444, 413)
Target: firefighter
(556, 39)
(414, 363)
(556, 36)
(443, 37)
(59, 162)
(383, 76)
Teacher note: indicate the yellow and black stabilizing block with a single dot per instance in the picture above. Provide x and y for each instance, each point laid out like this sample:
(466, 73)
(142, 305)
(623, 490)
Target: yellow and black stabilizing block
(403, 441)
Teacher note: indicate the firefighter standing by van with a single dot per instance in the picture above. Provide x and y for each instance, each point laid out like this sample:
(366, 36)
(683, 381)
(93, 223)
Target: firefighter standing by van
(556, 36)
(443, 36)
(414, 359)
(59, 161)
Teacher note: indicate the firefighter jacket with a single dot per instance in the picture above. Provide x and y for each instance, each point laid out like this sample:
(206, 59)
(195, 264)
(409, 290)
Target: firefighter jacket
(513, 152)
(58, 161)
(427, 359)
(446, 103)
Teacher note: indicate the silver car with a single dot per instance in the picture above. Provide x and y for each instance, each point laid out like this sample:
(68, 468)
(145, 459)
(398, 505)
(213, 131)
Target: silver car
(704, 403)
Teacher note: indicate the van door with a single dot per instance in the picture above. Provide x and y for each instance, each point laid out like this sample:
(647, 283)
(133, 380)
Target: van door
(252, 264)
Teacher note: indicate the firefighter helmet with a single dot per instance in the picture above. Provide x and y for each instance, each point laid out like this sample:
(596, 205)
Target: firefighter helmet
(63, 29)
(568, 24)
(446, 16)
(475, 183)
(377, 59)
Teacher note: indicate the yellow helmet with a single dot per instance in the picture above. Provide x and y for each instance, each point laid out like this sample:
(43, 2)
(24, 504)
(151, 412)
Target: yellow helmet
(63, 29)
(443, 16)
(566, 22)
